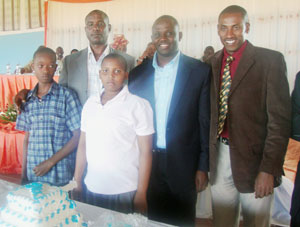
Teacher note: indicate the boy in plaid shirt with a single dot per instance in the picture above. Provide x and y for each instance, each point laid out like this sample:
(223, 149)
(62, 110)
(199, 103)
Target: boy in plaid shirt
(51, 120)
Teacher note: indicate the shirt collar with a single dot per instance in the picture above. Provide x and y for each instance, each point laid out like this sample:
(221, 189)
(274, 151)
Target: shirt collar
(238, 54)
(173, 62)
(121, 96)
(52, 91)
(91, 54)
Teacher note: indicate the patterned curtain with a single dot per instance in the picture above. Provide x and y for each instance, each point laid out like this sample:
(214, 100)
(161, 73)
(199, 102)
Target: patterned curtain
(18, 15)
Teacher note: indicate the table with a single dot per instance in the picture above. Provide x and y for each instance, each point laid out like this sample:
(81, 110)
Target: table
(10, 85)
(11, 149)
(92, 214)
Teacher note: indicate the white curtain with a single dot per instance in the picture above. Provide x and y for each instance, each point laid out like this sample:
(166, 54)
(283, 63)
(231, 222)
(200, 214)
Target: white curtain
(275, 24)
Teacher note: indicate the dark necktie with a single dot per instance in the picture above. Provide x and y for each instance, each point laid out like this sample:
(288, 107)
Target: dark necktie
(224, 91)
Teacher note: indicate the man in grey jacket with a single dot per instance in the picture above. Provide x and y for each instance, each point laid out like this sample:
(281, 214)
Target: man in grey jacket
(81, 70)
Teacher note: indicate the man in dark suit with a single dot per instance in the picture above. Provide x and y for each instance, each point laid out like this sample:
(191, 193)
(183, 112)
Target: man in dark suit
(295, 207)
(177, 87)
(80, 71)
(250, 124)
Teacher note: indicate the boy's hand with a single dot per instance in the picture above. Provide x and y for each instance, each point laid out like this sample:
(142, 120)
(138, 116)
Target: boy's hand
(140, 203)
(43, 168)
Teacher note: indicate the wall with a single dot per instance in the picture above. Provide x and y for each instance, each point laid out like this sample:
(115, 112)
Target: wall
(18, 48)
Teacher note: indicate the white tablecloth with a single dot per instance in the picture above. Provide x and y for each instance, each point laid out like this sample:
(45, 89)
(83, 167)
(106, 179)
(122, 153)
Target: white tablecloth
(95, 216)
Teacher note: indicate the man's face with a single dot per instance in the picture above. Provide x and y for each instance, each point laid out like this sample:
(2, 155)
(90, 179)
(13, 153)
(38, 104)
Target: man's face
(44, 67)
(59, 53)
(165, 37)
(231, 29)
(97, 29)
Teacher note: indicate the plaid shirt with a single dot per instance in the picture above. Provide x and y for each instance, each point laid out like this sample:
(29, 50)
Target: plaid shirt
(50, 122)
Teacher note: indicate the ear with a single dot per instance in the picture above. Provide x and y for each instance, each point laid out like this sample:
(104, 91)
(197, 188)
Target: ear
(55, 67)
(109, 27)
(247, 28)
(32, 67)
(126, 75)
(180, 36)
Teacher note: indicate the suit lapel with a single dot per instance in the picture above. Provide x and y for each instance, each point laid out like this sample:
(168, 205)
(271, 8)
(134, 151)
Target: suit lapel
(183, 74)
(245, 64)
(216, 69)
(83, 69)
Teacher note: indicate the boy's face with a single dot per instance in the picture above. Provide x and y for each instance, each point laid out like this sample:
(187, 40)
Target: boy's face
(44, 66)
(112, 75)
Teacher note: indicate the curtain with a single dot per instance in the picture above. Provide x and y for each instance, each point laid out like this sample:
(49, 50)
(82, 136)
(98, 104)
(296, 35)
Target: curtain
(274, 24)
(21, 15)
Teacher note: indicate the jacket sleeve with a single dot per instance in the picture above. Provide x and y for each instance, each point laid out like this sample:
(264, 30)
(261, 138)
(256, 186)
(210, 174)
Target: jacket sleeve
(204, 121)
(296, 109)
(63, 78)
(278, 107)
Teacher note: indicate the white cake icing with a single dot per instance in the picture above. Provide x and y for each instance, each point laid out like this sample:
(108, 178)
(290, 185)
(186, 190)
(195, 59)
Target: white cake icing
(39, 205)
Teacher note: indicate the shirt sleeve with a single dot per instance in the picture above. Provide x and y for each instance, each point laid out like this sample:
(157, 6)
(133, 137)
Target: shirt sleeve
(73, 111)
(84, 116)
(143, 118)
(23, 123)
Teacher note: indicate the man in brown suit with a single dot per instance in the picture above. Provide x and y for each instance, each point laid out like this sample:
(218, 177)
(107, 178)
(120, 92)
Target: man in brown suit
(250, 124)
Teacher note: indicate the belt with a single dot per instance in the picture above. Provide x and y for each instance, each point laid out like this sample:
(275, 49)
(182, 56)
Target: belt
(224, 140)
(159, 150)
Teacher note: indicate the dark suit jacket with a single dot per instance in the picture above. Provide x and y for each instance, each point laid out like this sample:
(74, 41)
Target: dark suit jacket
(258, 119)
(296, 109)
(74, 73)
(188, 121)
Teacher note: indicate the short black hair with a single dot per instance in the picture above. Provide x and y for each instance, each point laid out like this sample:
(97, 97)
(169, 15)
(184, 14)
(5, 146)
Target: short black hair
(119, 57)
(44, 50)
(166, 17)
(235, 9)
(97, 11)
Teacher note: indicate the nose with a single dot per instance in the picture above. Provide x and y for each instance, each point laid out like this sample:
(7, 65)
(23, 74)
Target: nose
(97, 27)
(229, 33)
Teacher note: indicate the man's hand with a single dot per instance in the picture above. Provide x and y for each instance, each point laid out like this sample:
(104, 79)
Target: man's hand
(43, 168)
(76, 193)
(140, 203)
(264, 185)
(20, 98)
(201, 180)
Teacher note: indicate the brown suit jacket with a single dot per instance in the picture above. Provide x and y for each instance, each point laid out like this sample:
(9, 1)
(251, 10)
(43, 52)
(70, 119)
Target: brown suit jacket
(259, 116)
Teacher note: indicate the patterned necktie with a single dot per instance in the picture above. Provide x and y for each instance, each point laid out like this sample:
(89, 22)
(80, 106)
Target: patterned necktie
(224, 91)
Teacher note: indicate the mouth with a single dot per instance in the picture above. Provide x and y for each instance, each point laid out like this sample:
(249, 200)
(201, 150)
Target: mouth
(164, 46)
(96, 35)
(229, 41)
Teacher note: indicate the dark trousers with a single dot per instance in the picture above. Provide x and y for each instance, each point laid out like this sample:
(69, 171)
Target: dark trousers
(295, 207)
(165, 205)
(119, 202)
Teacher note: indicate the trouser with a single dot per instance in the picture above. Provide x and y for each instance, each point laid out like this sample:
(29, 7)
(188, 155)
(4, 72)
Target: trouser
(226, 200)
(295, 207)
(165, 205)
(119, 202)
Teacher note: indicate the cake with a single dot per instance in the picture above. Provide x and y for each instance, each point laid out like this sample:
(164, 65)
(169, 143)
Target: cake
(39, 205)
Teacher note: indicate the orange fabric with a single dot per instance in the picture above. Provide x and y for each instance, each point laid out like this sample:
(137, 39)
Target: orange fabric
(11, 148)
(46, 22)
(10, 85)
(291, 159)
